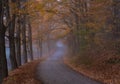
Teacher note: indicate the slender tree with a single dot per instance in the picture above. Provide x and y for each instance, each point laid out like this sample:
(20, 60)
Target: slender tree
(30, 39)
(12, 38)
(24, 39)
(116, 15)
(3, 61)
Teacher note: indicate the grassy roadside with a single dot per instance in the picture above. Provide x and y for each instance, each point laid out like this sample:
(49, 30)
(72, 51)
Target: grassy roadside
(24, 74)
(98, 70)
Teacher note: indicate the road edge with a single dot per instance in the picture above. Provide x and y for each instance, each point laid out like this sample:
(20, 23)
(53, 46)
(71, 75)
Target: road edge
(69, 65)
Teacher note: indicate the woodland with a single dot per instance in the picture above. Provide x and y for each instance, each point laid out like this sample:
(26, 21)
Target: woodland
(90, 30)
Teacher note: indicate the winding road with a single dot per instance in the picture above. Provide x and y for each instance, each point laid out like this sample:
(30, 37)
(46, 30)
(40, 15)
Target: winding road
(54, 71)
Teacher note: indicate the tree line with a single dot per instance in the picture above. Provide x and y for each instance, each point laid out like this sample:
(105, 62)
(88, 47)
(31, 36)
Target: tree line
(94, 25)
(15, 26)
(17, 18)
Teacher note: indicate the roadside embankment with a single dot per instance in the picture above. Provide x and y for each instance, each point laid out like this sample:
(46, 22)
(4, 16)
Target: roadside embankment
(105, 69)
(24, 74)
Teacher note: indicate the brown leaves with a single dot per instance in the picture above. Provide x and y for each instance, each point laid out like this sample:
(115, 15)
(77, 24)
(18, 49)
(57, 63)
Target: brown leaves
(100, 69)
(23, 75)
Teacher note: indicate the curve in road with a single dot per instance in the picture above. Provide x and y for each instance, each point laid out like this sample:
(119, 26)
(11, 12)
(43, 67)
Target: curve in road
(53, 71)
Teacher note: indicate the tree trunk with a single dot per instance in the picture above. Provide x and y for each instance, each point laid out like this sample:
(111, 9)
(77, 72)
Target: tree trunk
(116, 10)
(24, 39)
(3, 61)
(116, 23)
(12, 43)
(40, 46)
(30, 40)
(48, 44)
(18, 43)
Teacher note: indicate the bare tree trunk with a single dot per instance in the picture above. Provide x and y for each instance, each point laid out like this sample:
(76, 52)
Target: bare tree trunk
(48, 44)
(38, 49)
(24, 39)
(12, 43)
(41, 50)
(40, 46)
(18, 43)
(116, 10)
(40, 43)
(30, 40)
(3, 61)
(116, 23)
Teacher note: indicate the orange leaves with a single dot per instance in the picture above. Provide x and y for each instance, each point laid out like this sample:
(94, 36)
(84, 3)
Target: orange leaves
(14, 9)
(94, 25)
(98, 14)
(23, 75)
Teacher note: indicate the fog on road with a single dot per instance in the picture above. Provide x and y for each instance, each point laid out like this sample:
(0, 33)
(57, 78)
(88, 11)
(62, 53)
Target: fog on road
(54, 71)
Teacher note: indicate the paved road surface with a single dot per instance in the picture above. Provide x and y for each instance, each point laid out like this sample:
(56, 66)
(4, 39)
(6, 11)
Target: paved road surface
(53, 71)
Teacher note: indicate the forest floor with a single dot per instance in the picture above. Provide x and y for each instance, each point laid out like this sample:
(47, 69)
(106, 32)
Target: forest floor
(24, 74)
(104, 69)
